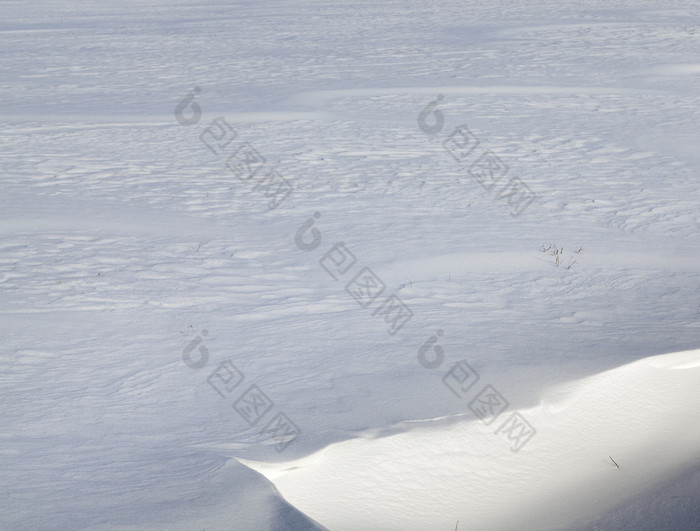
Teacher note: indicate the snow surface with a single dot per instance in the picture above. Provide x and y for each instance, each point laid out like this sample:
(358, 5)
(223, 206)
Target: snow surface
(185, 345)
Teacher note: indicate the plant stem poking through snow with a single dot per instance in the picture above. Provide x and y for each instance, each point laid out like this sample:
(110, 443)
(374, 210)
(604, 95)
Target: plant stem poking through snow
(558, 254)
(614, 463)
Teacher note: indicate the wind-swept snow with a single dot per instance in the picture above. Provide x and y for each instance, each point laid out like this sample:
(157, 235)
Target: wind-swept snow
(337, 235)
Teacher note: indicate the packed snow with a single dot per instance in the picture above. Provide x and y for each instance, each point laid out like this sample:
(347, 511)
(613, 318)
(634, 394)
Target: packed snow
(350, 265)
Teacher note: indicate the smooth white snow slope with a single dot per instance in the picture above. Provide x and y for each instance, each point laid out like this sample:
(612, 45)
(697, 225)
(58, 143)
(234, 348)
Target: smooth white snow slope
(439, 471)
(202, 199)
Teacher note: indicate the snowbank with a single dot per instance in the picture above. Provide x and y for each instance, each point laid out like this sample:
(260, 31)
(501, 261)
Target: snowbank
(642, 416)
